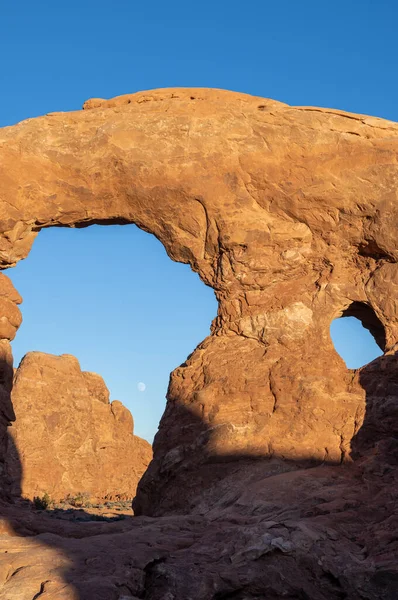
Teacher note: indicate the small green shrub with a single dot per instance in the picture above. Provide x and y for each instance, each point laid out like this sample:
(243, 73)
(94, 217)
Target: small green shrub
(42, 503)
(78, 500)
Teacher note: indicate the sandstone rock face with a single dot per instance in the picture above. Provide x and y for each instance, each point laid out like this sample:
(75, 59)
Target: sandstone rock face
(68, 438)
(290, 214)
(10, 319)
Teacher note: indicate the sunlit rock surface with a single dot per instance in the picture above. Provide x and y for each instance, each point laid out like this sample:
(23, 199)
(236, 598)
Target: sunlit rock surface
(290, 214)
(68, 438)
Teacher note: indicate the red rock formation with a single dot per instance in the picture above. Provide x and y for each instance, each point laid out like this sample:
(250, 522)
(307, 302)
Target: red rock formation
(68, 438)
(10, 320)
(290, 214)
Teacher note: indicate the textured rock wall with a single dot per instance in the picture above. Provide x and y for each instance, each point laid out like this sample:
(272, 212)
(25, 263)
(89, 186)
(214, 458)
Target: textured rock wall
(10, 320)
(289, 213)
(68, 438)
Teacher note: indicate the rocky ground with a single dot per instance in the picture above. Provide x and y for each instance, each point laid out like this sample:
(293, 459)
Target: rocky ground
(86, 511)
(272, 532)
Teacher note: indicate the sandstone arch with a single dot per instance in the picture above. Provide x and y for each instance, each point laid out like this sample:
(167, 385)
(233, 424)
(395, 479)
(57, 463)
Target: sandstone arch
(289, 213)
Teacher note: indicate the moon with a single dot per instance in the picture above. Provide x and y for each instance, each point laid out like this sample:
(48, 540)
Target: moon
(141, 386)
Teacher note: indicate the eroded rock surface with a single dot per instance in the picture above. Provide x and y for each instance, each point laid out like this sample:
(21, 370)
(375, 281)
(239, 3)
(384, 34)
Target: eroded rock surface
(290, 214)
(272, 532)
(10, 320)
(68, 439)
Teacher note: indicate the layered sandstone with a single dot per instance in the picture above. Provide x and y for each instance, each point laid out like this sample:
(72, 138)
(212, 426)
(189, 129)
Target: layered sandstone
(68, 438)
(10, 320)
(290, 214)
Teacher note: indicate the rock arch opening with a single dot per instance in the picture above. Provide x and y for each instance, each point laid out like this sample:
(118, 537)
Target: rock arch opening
(112, 298)
(358, 335)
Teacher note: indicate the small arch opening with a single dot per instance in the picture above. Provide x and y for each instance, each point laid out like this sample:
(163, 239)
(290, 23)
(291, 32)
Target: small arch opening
(358, 335)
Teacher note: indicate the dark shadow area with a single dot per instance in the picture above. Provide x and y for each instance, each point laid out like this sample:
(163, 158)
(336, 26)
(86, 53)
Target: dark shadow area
(378, 436)
(7, 415)
(155, 558)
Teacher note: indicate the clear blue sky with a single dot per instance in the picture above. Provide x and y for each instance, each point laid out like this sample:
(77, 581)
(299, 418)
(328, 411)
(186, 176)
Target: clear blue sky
(113, 298)
(152, 312)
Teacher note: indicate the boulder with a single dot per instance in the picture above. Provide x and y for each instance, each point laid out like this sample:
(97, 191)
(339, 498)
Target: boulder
(68, 439)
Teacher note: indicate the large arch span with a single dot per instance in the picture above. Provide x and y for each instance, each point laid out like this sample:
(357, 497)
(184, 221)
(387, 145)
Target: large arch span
(289, 213)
